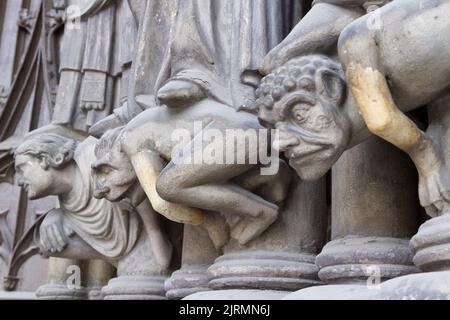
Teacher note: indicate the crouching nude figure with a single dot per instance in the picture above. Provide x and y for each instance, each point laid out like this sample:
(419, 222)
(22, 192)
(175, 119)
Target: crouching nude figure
(384, 83)
(397, 65)
(177, 189)
(127, 234)
(198, 192)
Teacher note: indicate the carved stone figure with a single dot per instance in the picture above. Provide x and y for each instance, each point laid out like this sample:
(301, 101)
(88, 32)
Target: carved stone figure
(88, 228)
(319, 30)
(216, 149)
(94, 70)
(201, 49)
(115, 178)
(383, 84)
(147, 146)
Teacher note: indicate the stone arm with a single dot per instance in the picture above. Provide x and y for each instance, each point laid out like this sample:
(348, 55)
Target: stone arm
(148, 166)
(317, 32)
(368, 83)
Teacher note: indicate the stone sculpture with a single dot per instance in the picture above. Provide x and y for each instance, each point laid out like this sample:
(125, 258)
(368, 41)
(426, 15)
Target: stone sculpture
(209, 49)
(360, 47)
(54, 163)
(98, 43)
(211, 149)
(147, 149)
(324, 117)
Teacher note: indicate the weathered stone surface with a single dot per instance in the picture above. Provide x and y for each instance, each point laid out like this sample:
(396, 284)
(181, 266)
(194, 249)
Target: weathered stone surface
(422, 286)
(135, 288)
(197, 255)
(275, 270)
(191, 145)
(355, 259)
(236, 294)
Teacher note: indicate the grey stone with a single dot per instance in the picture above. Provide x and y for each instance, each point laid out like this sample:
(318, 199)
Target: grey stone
(230, 295)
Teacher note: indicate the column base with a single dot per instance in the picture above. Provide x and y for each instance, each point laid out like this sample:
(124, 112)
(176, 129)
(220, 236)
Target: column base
(332, 292)
(237, 294)
(431, 244)
(55, 291)
(186, 281)
(95, 293)
(135, 288)
(421, 286)
(353, 260)
(263, 270)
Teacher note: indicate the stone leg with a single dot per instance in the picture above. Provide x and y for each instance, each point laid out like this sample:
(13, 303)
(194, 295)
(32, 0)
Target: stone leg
(139, 277)
(375, 212)
(282, 259)
(62, 278)
(198, 254)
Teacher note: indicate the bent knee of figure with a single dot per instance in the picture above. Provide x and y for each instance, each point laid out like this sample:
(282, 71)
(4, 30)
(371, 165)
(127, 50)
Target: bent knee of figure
(167, 187)
(356, 42)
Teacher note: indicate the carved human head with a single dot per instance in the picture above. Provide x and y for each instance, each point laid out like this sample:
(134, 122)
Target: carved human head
(113, 173)
(303, 100)
(40, 161)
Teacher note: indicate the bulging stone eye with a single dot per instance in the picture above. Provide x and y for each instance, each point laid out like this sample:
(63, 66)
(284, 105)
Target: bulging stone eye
(323, 121)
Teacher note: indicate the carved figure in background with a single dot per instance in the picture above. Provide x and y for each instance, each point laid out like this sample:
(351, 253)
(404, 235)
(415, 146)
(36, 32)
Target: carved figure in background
(97, 47)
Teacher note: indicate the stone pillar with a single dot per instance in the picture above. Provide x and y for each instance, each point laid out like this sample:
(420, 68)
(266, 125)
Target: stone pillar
(282, 259)
(198, 254)
(98, 274)
(374, 214)
(59, 285)
(139, 277)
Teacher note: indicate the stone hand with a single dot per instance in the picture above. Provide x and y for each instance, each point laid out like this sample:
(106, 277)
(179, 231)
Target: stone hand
(434, 190)
(54, 237)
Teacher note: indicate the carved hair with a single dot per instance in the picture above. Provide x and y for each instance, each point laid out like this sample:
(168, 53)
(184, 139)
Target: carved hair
(55, 149)
(316, 74)
(107, 141)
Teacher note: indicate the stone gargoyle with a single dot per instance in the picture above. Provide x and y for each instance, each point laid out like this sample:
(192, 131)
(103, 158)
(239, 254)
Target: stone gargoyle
(200, 193)
(51, 162)
(319, 116)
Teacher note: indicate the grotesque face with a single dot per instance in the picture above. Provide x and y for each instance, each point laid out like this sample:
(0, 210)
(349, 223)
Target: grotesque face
(34, 177)
(113, 173)
(302, 100)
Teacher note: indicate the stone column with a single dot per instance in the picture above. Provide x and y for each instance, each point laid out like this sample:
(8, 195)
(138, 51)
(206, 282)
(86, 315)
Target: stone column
(98, 274)
(139, 277)
(375, 212)
(282, 259)
(198, 254)
(63, 275)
